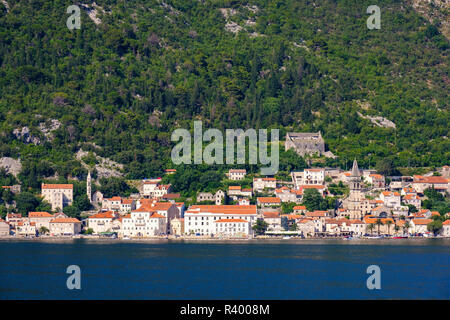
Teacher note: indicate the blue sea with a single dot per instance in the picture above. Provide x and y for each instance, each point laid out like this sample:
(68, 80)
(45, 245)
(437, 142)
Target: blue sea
(263, 269)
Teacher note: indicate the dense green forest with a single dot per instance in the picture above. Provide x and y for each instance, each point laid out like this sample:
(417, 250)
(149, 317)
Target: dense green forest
(120, 87)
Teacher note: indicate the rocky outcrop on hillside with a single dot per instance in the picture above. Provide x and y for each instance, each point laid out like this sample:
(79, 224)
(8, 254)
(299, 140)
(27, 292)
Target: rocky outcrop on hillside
(105, 167)
(436, 12)
(12, 166)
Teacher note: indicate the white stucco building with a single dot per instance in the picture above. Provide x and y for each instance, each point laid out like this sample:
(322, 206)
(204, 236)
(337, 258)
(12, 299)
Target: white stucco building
(232, 228)
(58, 195)
(199, 219)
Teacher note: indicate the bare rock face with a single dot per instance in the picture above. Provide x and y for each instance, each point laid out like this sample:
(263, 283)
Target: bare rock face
(24, 135)
(436, 12)
(12, 166)
(106, 168)
(48, 128)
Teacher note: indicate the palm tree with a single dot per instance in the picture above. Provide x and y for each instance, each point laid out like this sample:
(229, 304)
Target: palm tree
(396, 228)
(388, 223)
(406, 227)
(379, 223)
(43, 230)
(370, 227)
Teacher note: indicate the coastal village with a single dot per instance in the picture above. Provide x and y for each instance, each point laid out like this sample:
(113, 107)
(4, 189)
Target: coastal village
(371, 207)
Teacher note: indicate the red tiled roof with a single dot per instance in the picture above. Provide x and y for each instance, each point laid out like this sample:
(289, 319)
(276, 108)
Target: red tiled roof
(57, 186)
(39, 215)
(225, 209)
(65, 220)
(230, 220)
(268, 199)
(103, 215)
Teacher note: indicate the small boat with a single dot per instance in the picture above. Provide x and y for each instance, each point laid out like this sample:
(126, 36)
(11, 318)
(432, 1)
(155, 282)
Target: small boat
(286, 237)
(348, 238)
(400, 237)
(374, 237)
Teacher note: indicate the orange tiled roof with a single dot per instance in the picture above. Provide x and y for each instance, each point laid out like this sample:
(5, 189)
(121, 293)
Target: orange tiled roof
(57, 186)
(230, 220)
(225, 209)
(39, 215)
(299, 208)
(234, 188)
(422, 221)
(65, 220)
(433, 179)
(271, 214)
(156, 215)
(316, 214)
(238, 170)
(269, 199)
(103, 215)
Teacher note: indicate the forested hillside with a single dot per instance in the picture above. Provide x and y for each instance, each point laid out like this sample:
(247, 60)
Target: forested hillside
(136, 70)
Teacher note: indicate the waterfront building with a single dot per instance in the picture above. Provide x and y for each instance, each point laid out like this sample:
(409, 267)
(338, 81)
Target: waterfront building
(143, 223)
(4, 228)
(232, 228)
(445, 232)
(420, 225)
(65, 227)
(58, 195)
(13, 219)
(151, 219)
(101, 222)
(177, 226)
(273, 219)
(41, 219)
(26, 228)
(199, 219)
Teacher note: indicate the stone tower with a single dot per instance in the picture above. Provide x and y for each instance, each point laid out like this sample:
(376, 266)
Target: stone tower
(89, 186)
(355, 196)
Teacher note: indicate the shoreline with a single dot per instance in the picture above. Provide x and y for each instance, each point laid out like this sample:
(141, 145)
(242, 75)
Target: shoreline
(219, 240)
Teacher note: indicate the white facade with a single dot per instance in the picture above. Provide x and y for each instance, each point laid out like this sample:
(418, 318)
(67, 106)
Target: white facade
(259, 184)
(143, 224)
(65, 227)
(4, 228)
(236, 174)
(101, 222)
(232, 228)
(200, 219)
(58, 195)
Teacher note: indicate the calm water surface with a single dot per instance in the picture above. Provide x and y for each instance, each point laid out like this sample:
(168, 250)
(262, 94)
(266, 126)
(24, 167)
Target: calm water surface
(285, 269)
